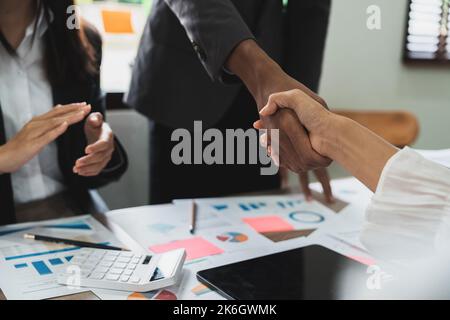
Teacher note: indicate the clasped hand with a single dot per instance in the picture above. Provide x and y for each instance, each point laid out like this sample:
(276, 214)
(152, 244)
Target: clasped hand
(299, 148)
(310, 113)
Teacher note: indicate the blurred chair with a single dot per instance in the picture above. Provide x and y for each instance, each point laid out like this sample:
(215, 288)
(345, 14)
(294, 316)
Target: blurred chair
(131, 190)
(400, 128)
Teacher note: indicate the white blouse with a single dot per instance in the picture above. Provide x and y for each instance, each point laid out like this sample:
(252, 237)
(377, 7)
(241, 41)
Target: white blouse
(409, 215)
(24, 93)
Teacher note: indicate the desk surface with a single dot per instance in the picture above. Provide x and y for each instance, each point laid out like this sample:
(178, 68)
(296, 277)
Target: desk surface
(274, 236)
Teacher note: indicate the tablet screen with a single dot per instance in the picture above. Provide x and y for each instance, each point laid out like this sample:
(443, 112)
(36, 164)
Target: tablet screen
(312, 272)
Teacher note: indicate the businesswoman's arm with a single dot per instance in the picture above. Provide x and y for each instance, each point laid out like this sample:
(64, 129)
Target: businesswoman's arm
(46, 61)
(409, 213)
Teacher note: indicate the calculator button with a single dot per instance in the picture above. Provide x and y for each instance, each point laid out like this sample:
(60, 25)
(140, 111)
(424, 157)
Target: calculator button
(113, 253)
(101, 269)
(119, 265)
(135, 279)
(92, 260)
(124, 259)
(128, 272)
(87, 267)
(97, 275)
(124, 278)
(106, 263)
(112, 277)
(109, 258)
(116, 271)
(135, 260)
(132, 266)
(126, 254)
(89, 264)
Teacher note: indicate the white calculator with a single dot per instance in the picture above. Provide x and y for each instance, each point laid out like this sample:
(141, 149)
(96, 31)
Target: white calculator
(123, 270)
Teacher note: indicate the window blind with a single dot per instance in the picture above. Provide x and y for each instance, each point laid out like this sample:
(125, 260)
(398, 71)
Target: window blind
(427, 36)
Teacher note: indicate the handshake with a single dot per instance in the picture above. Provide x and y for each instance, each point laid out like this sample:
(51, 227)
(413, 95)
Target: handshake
(299, 114)
(304, 146)
(304, 140)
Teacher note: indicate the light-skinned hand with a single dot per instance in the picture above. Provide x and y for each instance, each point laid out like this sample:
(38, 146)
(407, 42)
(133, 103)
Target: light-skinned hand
(100, 146)
(38, 133)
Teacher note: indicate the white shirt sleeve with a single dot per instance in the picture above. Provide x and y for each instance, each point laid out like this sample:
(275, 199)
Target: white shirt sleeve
(409, 216)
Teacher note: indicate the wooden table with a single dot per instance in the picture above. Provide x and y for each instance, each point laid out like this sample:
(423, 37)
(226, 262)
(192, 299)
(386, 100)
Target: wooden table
(130, 243)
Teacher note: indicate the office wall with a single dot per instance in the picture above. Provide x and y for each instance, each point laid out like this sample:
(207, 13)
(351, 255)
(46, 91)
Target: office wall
(363, 70)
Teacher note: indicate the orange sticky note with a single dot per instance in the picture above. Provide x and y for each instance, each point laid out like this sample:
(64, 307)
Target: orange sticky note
(195, 248)
(268, 224)
(117, 21)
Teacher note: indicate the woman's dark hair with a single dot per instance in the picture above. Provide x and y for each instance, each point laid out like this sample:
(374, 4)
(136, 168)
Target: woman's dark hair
(69, 53)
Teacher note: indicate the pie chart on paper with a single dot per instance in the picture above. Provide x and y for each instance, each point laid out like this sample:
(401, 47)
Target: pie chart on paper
(234, 237)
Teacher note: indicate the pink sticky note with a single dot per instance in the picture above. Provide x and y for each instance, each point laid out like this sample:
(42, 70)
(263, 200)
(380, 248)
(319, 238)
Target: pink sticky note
(195, 248)
(268, 224)
(364, 260)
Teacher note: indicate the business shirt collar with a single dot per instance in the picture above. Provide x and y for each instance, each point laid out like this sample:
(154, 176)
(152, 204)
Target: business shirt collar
(41, 26)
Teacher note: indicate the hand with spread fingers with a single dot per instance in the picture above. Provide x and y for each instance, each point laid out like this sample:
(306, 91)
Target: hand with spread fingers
(100, 147)
(38, 133)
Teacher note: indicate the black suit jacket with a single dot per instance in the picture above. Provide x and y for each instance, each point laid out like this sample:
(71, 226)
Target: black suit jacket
(71, 144)
(184, 38)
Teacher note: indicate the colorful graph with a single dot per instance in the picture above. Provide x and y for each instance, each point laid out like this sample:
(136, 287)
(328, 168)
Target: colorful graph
(36, 254)
(42, 267)
(220, 207)
(200, 289)
(47, 252)
(234, 237)
(307, 217)
(288, 203)
(153, 295)
(73, 225)
(252, 206)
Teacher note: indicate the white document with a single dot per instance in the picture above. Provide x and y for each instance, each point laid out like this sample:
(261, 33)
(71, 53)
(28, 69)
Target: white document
(28, 268)
(150, 225)
(350, 190)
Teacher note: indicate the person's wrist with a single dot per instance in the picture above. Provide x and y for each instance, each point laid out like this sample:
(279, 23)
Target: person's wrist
(328, 133)
(254, 67)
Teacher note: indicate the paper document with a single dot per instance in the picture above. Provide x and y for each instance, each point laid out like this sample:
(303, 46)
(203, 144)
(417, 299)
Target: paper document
(28, 268)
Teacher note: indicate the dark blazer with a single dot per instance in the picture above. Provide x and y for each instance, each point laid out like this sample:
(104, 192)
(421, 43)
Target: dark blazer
(71, 144)
(184, 38)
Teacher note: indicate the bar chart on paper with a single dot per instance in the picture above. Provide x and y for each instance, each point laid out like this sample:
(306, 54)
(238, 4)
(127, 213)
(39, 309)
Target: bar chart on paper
(28, 269)
(33, 272)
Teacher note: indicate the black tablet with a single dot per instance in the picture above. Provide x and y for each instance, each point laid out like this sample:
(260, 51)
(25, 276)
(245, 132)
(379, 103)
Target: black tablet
(312, 272)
